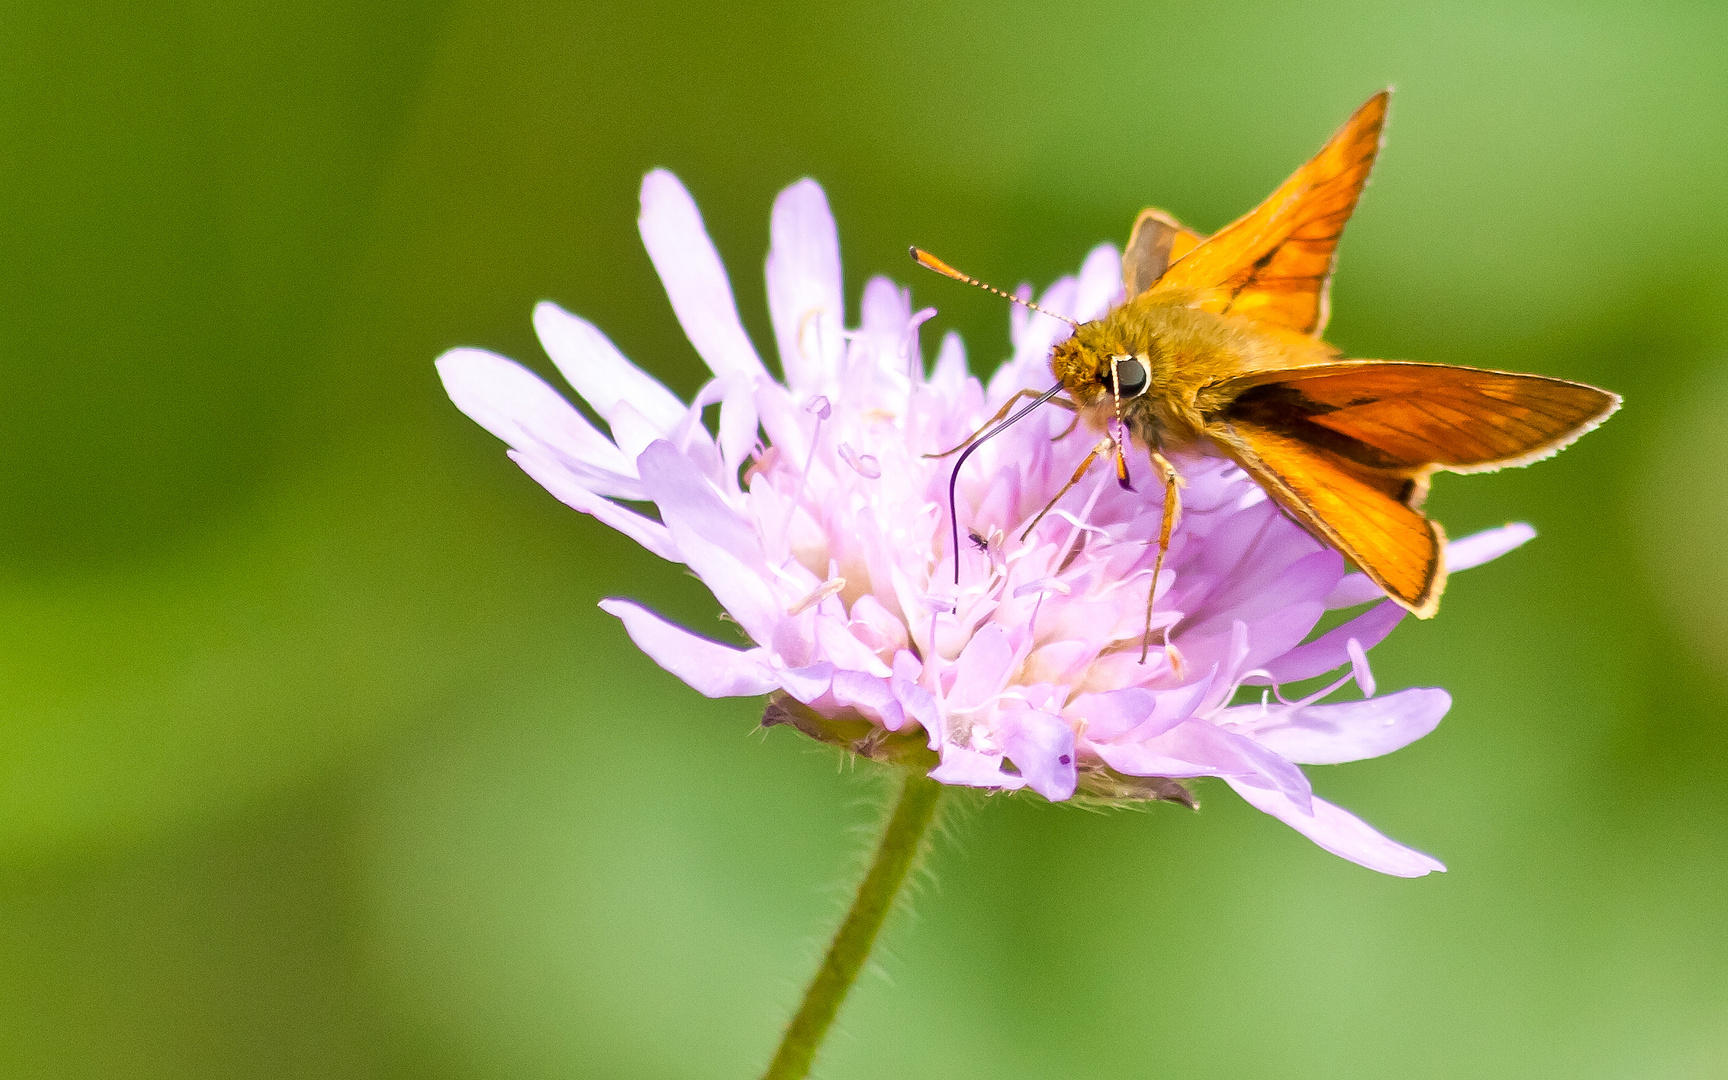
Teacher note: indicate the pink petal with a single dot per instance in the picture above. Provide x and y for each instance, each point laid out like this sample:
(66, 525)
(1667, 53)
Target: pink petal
(738, 423)
(710, 668)
(1060, 661)
(887, 336)
(808, 684)
(686, 499)
(970, 768)
(949, 373)
(1100, 283)
(906, 665)
(1487, 545)
(1199, 748)
(718, 545)
(551, 474)
(1032, 347)
(879, 628)
(1353, 589)
(804, 295)
(600, 373)
(518, 407)
(869, 695)
(632, 431)
(837, 643)
(918, 702)
(885, 309)
(1359, 669)
(1331, 649)
(1137, 713)
(1276, 634)
(1261, 565)
(1110, 714)
(736, 396)
(1226, 658)
(981, 670)
(1346, 731)
(1342, 833)
(784, 420)
(694, 277)
(1042, 748)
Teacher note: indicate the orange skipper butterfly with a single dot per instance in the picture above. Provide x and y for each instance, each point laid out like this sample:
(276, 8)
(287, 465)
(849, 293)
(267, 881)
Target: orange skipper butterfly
(1219, 342)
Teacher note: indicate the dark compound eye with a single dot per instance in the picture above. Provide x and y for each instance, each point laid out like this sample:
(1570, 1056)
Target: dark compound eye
(1131, 376)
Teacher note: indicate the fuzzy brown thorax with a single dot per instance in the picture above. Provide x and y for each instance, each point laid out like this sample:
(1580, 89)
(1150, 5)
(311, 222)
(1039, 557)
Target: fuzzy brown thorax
(1183, 349)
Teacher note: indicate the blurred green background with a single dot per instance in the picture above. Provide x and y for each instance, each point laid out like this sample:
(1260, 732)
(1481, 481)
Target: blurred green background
(317, 760)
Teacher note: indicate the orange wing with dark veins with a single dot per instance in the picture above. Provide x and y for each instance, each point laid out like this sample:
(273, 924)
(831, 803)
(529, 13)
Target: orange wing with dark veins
(1347, 449)
(1275, 264)
(1433, 416)
(1360, 511)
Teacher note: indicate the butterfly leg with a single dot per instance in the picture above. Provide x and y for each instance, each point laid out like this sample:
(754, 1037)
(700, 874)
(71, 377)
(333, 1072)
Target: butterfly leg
(1002, 412)
(1105, 445)
(1172, 510)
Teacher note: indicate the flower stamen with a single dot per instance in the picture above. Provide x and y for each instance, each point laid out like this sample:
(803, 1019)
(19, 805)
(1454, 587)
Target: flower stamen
(819, 408)
(817, 595)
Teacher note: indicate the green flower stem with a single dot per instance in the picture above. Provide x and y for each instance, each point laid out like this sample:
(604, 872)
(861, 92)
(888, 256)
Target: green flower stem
(851, 945)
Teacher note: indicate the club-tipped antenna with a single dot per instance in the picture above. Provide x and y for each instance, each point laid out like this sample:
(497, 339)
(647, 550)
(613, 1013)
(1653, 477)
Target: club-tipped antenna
(954, 477)
(930, 262)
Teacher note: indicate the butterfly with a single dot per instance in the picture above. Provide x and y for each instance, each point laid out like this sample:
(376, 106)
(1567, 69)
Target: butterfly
(1218, 342)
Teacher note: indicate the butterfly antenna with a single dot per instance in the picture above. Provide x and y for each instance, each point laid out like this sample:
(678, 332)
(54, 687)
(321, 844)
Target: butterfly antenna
(930, 262)
(954, 477)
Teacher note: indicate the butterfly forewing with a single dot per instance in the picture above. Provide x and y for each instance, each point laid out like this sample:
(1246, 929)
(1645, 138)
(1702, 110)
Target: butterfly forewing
(1275, 264)
(1434, 415)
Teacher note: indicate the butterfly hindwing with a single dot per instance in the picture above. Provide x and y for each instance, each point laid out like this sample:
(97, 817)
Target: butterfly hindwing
(1363, 512)
(1156, 241)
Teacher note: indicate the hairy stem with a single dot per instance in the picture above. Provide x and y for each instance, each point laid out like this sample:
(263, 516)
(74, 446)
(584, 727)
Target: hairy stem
(895, 854)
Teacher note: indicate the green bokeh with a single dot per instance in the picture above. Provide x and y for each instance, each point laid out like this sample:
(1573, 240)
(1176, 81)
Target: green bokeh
(316, 759)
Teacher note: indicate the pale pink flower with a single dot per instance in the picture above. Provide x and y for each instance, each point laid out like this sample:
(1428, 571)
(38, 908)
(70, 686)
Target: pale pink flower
(823, 531)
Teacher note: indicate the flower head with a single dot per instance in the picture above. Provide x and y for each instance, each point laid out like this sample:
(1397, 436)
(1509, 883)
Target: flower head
(819, 524)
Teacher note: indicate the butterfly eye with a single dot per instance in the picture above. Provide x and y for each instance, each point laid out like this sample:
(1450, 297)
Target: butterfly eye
(1131, 376)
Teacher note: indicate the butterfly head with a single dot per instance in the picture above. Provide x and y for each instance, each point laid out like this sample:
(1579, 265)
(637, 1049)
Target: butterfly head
(1095, 374)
